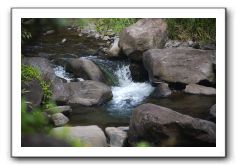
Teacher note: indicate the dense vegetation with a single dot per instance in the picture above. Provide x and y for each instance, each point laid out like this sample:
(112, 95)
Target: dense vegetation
(197, 29)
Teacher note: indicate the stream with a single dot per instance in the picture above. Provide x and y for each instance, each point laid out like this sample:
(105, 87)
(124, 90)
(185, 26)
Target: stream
(127, 94)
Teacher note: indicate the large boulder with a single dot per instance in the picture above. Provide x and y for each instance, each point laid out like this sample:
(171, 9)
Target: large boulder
(45, 68)
(184, 65)
(148, 33)
(161, 126)
(86, 69)
(86, 93)
(90, 136)
(199, 89)
(117, 136)
(33, 93)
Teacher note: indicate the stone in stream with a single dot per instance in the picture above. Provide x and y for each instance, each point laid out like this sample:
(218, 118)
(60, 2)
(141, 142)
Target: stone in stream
(90, 136)
(117, 136)
(148, 33)
(86, 93)
(33, 93)
(86, 69)
(115, 50)
(59, 119)
(183, 65)
(160, 126)
(199, 89)
(161, 90)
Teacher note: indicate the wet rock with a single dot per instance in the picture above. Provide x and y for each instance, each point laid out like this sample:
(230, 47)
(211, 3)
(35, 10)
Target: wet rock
(138, 72)
(199, 89)
(117, 137)
(145, 34)
(91, 136)
(160, 126)
(106, 38)
(86, 69)
(184, 65)
(161, 90)
(33, 93)
(86, 93)
(41, 140)
(212, 113)
(59, 119)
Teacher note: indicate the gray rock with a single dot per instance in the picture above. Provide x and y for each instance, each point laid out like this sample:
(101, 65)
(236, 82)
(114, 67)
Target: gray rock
(199, 89)
(172, 43)
(45, 68)
(59, 119)
(91, 136)
(86, 69)
(106, 38)
(160, 126)
(148, 33)
(161, 90)
(184, 65)
(115, 50)
(63, 41)
(86, 93)
(49, 32)
(212, 113)
(117, 136)
(33, 93)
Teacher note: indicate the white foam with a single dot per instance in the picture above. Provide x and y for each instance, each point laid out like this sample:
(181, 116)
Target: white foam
(60, 72)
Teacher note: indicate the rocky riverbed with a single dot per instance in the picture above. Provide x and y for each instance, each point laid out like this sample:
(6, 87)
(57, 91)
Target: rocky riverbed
(119, 90)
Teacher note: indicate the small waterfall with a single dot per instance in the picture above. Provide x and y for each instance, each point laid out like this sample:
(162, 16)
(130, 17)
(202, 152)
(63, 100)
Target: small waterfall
(60, 72)
(127, 94)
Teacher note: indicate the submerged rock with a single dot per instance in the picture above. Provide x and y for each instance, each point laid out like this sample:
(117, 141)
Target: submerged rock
(184, 65)
(59, 119)
(148, 33)
(117, 136)
(86, 93)
(86, 69)
(90, 136)
(160, 126)
(199, 89)
(161, 90)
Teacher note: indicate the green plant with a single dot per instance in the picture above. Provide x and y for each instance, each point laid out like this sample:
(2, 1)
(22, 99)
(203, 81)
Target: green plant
(28, 73)
(34, 121)
(103, 25)
(143, 144)
(198, 29)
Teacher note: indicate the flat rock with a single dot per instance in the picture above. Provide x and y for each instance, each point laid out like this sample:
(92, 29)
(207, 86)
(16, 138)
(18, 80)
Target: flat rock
(91, 136)
(183, 65)
(199, 89)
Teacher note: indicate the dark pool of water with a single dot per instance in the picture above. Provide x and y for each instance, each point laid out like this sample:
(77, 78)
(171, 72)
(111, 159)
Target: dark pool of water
(194, 105)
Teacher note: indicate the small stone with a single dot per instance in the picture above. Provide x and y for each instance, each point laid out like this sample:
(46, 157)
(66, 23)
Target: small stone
(116, 136)
(63, 41)
(59, 119)
(106, 38)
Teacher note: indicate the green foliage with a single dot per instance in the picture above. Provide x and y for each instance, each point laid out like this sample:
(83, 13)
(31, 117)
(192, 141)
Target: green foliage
(143, 144)
(114, 24)
(198, 29)
(32, 122)
(28, 73)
